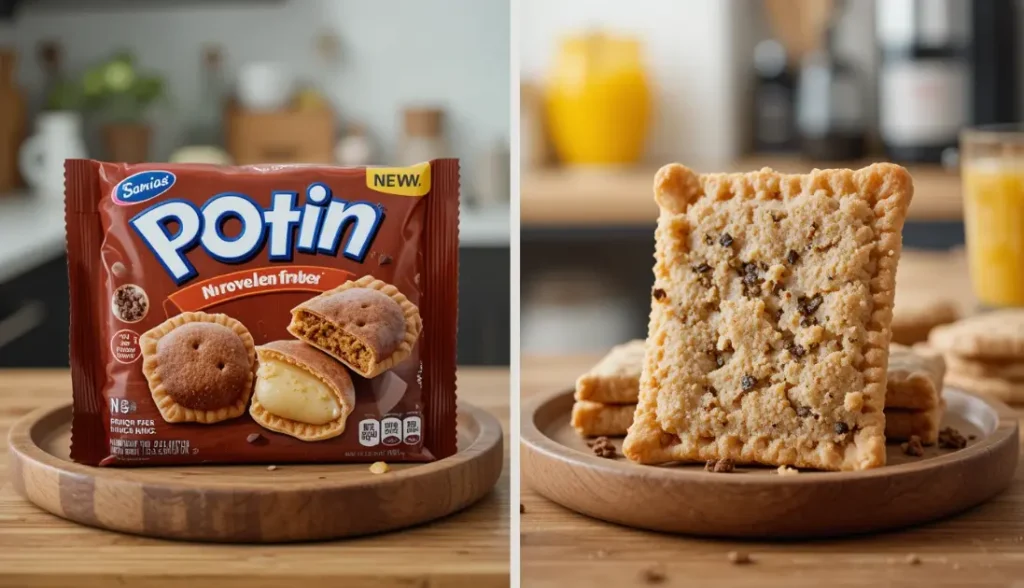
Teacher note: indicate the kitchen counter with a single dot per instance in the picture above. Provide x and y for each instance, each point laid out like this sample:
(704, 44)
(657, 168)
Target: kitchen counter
(980, 548)
(622, 197)
(31, 232)
(470, 548)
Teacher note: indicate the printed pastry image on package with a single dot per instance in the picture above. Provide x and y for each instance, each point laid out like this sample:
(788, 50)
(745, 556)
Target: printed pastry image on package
(262, 314)
(199, 367)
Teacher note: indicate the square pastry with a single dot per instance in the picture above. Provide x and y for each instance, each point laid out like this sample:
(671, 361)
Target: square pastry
(593, 419)
(366, 324)
(199, 367)
(901, 424)
(914, 378)
(301, 391)
(769, 332)
(616, 378)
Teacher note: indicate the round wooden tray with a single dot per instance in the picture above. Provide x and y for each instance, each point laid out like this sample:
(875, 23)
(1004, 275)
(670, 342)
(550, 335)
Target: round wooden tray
(757, 502)
(250, 504)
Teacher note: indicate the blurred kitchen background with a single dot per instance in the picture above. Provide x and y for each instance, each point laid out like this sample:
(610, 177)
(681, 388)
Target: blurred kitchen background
(613, 90)
(247, 81)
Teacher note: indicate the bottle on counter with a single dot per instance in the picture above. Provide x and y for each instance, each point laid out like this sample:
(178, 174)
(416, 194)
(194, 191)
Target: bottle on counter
(12, 121)
(924, 76)
(831, 117)
(995, 61)
(355, 148)
(208, 126)
(423, 137)
(774, 100)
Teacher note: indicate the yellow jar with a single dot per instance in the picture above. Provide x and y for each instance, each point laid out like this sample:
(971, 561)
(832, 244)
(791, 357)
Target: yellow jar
(598, 101)
(992, 171)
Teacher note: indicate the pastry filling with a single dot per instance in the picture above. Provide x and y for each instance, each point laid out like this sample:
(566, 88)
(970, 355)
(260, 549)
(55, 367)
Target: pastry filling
(334, 340)
(295, 394)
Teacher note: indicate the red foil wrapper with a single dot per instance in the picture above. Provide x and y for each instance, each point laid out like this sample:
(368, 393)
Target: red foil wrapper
(180, 274)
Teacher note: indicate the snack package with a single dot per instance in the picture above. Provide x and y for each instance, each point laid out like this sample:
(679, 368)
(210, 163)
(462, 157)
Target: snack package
(273, 314)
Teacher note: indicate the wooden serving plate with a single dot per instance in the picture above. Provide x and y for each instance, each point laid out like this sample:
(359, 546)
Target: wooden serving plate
(757, 502)
(250, 504)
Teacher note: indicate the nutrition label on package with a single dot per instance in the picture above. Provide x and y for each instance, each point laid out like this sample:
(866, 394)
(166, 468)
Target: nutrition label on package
(149, 447)
(390, 431)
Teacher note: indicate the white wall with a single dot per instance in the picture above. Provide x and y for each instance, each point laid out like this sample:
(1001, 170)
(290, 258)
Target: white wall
(690, 47)
(394, 53)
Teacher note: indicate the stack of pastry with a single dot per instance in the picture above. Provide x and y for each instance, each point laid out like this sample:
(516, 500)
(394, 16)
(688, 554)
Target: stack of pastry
(913, 394)
(606, 395)
(985, 354)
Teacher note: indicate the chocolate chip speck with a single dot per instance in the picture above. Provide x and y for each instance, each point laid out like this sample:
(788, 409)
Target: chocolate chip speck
(808, 306)
(803, 411)
(739, 558)
(792, 256)
(719, 360)
(725, 466)
(748, 382)
(950, 438)
(841, 428)
(658, 293)
(708, 239)
(702, 268)
(711, 390)
(798, 350)
(602, 447)
(654, 575)
(913, 447)
(726, 240)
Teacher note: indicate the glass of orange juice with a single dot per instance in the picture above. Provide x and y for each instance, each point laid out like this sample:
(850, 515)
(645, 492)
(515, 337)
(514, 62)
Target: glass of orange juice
(992, 171)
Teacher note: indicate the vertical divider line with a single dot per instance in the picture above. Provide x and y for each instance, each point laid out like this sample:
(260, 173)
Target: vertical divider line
(514, 296)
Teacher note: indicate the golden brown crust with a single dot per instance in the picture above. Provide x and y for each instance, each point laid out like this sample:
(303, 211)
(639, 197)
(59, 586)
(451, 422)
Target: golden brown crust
(616, 377)
(672, 392)
(325, 369)
(375, 364)
(914, 378)
(159, 384)
(593, 419)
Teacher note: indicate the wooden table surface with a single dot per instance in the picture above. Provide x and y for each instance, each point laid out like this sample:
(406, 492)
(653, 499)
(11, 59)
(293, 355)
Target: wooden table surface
(982, 547)
(468, 549)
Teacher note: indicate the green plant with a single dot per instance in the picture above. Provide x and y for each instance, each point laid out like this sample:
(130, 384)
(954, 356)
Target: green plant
(118, 91)
(64, 95)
